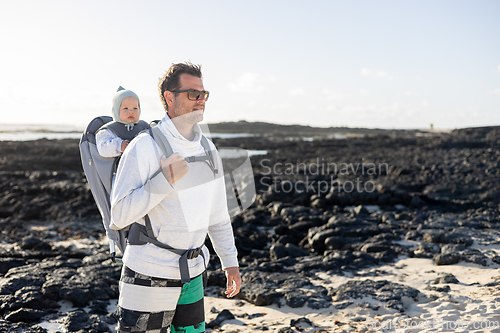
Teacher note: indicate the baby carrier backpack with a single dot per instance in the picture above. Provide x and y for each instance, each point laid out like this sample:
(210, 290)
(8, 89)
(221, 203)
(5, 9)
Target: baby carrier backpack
(99, 172)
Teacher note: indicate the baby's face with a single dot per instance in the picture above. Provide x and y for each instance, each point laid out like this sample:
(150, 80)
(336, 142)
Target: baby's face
(129, 110)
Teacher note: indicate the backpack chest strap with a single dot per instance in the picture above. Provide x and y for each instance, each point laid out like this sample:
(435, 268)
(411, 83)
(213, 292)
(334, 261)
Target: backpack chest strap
(192, 159)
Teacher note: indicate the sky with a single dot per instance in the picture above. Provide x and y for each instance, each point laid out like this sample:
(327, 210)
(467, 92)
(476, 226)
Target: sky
(361, 63)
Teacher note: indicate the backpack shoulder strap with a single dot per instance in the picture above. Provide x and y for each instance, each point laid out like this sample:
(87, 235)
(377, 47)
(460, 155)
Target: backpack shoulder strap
(161, 141)
(93, 127)
(121, 131)
(208, 151)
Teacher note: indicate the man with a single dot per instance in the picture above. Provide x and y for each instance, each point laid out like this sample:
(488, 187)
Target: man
(184, 202)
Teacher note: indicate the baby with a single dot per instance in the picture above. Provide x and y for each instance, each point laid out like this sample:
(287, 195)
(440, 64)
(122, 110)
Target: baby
(126, 110)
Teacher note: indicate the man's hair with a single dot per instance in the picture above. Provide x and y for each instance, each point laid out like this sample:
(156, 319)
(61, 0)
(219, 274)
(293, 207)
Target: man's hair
(171, 80)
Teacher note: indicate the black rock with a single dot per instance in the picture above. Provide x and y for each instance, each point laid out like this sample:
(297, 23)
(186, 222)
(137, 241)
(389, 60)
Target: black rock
(334, 243)
(443, 289)
(8, 263)
(447, 259)
(452, 248)
(433, 236)
(217, 278)
(289, 250)
(252, 316)
(300, 321)
(496, 259)
(417, 202)
(296, 298)
(10, 327)
(447, 278)
(259, 295)
(14, 281)
(76, 320)
(99, 308)
(368, 305)
(25, 315)
(286, 330)
(221, 317)
(383, 291)
(427, 250)
(29, 243)
(317, 237)
(343, 305)
(28, 297)
(290, 238)
(375, 247)
(319, 302)
(78, 295)
(475, 256)
(361, 210)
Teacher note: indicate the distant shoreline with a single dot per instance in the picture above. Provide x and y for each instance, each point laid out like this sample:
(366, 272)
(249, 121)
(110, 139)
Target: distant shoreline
(25, 132)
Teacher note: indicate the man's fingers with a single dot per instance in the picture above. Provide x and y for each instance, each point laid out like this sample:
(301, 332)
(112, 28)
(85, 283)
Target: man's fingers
(232, 290)
(174, 167)
(233, 281)
(171, 159)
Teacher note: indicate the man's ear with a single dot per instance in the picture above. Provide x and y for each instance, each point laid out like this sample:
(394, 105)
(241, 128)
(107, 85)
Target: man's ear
(169, 97)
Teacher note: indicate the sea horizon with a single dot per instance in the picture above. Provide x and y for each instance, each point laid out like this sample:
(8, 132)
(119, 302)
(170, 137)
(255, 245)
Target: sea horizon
(28, 132)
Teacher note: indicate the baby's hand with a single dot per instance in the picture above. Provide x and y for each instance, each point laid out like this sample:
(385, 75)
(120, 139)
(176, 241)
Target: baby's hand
(124, 144)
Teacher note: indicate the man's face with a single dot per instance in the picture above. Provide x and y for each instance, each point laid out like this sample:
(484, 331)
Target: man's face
(191, 111)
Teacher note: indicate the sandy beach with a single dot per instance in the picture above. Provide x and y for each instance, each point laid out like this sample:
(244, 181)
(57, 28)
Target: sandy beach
(469, 305)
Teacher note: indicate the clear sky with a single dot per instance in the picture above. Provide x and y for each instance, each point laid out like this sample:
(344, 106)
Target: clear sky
(372, 63)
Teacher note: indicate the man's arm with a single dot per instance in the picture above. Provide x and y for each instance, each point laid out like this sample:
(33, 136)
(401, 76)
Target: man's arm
(135, 191)
(222, 236)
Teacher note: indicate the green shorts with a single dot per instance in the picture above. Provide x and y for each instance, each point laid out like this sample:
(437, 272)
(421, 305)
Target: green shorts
(155, 305)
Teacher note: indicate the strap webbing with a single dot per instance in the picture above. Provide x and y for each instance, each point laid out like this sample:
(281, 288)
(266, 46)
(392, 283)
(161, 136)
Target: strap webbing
(140, 235)
(192, 159)
(210, 162)
(161, 141)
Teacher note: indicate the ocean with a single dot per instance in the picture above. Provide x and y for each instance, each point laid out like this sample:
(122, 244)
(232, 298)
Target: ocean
(14, 132)
(21, 132)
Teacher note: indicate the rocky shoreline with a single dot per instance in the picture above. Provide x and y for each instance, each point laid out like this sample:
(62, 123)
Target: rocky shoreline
(337, 206)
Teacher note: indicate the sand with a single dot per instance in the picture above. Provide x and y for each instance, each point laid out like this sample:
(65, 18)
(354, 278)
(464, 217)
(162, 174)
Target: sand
(469, 306)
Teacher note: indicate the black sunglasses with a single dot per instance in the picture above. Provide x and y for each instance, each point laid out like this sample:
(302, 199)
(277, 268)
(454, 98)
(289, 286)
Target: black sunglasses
(193, 94)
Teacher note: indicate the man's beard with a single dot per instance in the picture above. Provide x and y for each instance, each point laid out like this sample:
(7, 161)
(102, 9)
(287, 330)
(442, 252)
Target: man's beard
(192, 117)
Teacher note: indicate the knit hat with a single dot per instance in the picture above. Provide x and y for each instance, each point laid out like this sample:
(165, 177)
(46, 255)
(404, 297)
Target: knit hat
(121, 93)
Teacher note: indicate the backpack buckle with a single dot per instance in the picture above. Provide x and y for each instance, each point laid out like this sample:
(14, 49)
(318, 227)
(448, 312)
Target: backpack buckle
(191, 254)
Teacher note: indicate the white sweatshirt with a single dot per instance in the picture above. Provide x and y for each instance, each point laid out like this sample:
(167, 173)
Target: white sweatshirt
(181, 214)
(108, 143)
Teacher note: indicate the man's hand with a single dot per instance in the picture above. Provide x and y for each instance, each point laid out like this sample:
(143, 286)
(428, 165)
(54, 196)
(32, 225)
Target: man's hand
(233, 281)
(174, 167)
(124, 145)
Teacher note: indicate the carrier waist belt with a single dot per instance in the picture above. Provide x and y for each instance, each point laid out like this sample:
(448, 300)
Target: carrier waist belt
(138, 236)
